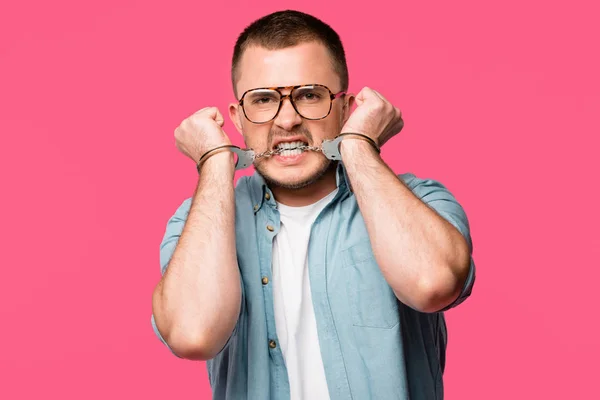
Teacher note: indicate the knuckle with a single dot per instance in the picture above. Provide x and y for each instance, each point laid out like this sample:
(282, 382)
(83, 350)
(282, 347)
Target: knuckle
(196, 120)
(185, 124)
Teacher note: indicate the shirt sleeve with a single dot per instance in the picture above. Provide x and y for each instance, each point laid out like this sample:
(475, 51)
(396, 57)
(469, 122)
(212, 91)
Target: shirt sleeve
(172, 233)
(170, 239)
(439, 198)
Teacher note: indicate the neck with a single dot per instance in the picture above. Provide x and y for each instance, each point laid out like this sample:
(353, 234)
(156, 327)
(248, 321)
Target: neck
(309, 194)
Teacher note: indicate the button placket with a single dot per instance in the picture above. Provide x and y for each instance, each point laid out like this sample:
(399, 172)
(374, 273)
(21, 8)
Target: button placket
(268, 224)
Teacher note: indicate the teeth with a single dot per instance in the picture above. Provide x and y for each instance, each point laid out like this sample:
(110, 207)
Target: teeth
(290, 153)
(290, 145)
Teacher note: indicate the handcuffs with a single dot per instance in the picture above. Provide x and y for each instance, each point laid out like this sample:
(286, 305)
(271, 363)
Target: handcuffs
(246, 157)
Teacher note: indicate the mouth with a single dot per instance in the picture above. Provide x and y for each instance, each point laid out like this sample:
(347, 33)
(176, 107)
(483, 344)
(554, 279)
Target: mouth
(290, 149)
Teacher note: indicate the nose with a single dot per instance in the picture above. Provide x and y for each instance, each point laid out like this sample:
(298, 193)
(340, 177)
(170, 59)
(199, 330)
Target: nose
(287, 118)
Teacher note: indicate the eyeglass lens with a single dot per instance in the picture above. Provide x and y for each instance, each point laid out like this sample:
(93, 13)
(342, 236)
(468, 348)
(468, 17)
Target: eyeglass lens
(311, 102)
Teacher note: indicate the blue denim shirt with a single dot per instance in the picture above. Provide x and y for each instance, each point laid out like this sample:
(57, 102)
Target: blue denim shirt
(372, 345)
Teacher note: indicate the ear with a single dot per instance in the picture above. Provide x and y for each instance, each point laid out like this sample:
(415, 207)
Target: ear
(236, 115)
(349, 101)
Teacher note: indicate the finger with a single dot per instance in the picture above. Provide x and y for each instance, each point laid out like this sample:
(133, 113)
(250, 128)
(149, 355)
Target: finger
(210, 112)
(178, 133)
(219, 118)
(372, 93)
(202, 110)
(399, 126)
(366, 93)
(373, 96)
(376, 93)
(360, 97)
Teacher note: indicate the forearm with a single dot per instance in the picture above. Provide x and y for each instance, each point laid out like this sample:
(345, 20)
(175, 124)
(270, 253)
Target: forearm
(197, 302)
(422, 256)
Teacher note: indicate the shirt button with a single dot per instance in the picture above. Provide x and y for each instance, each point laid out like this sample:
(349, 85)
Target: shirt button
(272, 344)
(270, 228)
(267, 196)
(256, 207)
(265, 280)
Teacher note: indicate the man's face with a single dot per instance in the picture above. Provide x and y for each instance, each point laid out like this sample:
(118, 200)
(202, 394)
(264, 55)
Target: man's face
(307, 63)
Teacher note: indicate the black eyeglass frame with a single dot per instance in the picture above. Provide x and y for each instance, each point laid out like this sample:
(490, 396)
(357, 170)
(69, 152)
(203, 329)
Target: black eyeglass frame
(278, 89)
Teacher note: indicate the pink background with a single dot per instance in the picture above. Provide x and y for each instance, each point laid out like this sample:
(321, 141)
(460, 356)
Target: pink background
(501, 102)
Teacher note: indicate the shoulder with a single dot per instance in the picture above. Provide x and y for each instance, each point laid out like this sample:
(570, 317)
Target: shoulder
(242, 191)
(243, 186)
(419, 184)
(437, 196)
(427, 189)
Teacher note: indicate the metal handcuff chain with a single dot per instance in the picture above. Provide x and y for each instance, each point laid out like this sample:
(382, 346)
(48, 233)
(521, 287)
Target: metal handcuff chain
(246, 157)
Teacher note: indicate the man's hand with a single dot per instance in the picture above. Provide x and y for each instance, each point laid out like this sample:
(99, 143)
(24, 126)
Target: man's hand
(200, 132)
(375, 117)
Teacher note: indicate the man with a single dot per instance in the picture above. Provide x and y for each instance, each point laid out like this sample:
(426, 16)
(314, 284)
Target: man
(313, 278)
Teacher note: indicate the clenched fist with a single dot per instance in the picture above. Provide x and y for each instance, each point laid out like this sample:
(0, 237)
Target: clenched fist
(200, 132)
(375, 117)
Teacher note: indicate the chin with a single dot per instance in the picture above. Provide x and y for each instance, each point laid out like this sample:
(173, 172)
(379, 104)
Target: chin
(293, 177)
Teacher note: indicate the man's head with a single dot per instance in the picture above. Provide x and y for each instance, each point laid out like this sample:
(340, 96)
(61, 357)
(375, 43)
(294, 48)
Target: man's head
(280, 51)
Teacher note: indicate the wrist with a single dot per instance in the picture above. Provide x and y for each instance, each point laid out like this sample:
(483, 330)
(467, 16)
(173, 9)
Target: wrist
(218, 161)
(220, 158)
(221, 153)
(353, 145)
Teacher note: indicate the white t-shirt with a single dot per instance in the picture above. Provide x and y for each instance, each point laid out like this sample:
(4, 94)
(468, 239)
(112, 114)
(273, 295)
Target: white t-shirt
(294, 314)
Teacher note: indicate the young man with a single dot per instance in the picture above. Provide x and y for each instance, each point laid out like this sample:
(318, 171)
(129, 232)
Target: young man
(313, 278)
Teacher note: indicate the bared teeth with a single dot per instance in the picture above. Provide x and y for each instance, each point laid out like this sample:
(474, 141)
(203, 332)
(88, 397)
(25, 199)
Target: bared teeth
(290, 145)
(290, 153)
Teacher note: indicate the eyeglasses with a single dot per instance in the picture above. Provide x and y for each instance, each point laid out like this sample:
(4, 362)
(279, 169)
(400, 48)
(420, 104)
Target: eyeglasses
(312, 102)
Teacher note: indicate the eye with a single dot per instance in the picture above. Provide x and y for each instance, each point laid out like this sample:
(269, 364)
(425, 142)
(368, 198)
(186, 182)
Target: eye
(310, 96)
(263, 100)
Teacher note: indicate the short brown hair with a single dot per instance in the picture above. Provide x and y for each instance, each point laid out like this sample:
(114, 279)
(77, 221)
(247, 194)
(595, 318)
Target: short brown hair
(289, 28)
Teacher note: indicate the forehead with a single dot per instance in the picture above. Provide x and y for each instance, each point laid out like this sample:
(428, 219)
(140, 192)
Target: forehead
(297, 65)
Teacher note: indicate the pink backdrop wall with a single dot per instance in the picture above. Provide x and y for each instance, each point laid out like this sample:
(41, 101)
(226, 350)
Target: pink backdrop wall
(504, 97)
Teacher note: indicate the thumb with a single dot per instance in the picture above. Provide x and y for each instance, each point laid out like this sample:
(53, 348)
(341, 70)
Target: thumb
(214, 114)
(360, 98)
(363, 95)
(219, 119)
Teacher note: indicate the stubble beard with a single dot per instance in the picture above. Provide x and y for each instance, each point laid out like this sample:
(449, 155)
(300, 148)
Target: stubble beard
(325, 166)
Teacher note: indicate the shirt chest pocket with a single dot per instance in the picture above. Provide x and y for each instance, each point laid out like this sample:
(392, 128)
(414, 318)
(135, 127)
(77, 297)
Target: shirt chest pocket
(371, 301)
